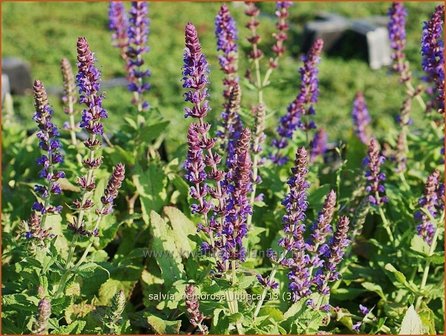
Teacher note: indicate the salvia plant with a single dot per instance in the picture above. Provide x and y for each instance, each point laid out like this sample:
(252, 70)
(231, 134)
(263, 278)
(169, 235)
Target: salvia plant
(260, 221)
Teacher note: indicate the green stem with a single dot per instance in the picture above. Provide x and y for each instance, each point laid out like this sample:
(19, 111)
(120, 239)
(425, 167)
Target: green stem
(427, 268)
(386, 224)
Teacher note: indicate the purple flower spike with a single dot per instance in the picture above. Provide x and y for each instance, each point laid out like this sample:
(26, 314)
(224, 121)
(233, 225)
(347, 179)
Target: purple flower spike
(88, 83)
(336, 251)
(303, 104)
(138, 32)
(318, 144)
(374, 176)
(295, 206)
(320, 231)
(193, 308)
(50, 145)
(111, 191)
(281, 35)
(226, 34)
(195, 75)
(118, 24)
(433, 202)
(397, 35)
(238, 207)
(252, 11)
(432, 51)
(195, 168)
(361, 118)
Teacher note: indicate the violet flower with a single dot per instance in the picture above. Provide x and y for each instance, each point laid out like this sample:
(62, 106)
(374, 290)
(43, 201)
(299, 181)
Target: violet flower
(232, 124)
(361, 118)
(226, 34)
(193, 308)
(318, 144)
(88, 78)
(320, 231)
(34, 228)
(111, 191)
(374, 176)
(200, 153)
(432, 51)
(43, 315)
(88, 81)
(397, 35)
(238, 185)
(432, 202)
(50, 145)
(138, 31)
(303, 104)
(195, 75)
(281, 35)
(335, 253)
(195, 168)
(295, 207)
(118, 24)
(252, 11)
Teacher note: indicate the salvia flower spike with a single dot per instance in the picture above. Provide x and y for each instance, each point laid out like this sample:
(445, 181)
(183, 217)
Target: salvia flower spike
(318, 144)
(432, 203)
(303, 104)
(238, 207)
(337, 248)
(200, 153)
(193, 309)
(296, 205)
(43, 315)
(226, 34)
(52, 157)
(88, 81)
(397, 35)
(111, 191)
(432, 52)
(281, 35)
(138, 32)
(374, 176)
(361, 118)
(69, 97)
(252, 11)
(195, 75)
(118, 24)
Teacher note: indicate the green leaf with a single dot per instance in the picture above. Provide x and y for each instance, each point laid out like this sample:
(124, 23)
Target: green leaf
(182, 228)
(398, 278)
(374, 288)
(428, 318)
(75, 327)
(149, 133)
(418, 244)
(151, 184)
(272, 312)
(412, 324)
(161, 326)
(165, 251)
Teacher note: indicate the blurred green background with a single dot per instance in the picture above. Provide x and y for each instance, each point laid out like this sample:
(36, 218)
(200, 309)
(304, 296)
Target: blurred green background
(42, 33)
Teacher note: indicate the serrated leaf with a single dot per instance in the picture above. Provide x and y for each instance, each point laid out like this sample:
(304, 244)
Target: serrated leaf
(165, 251)
(151, 184)
(182, 228)
(412, 324)
(163, 327)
